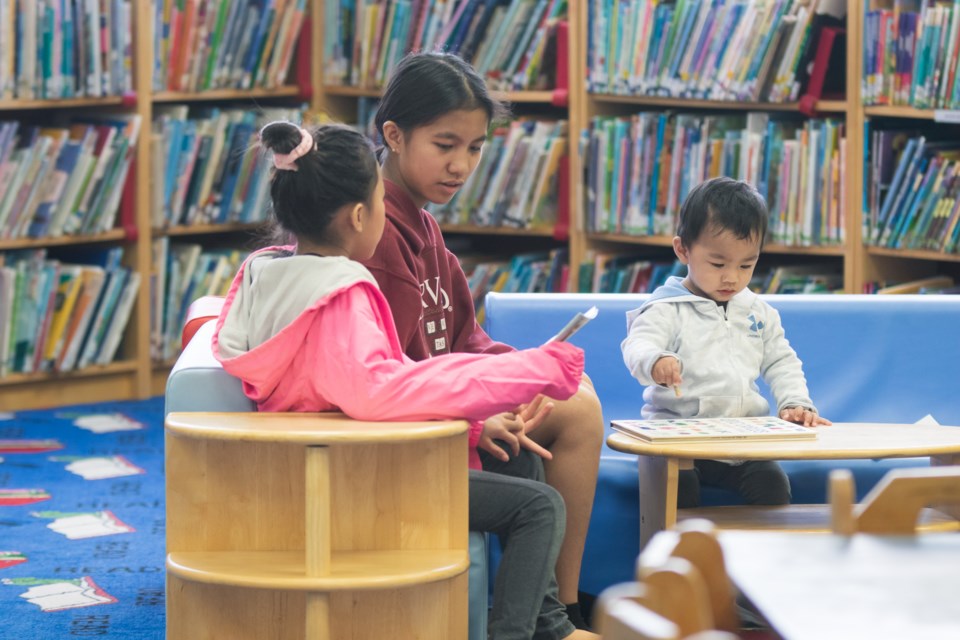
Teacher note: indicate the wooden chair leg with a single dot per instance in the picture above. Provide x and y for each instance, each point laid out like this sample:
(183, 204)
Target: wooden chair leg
(842, 496)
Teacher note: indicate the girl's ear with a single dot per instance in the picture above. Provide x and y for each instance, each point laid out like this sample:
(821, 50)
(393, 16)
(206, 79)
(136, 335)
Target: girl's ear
(681, 251)
(392, 136)
(356, 216)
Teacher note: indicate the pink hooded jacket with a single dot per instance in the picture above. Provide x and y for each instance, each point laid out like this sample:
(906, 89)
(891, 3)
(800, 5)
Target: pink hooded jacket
(310, 333)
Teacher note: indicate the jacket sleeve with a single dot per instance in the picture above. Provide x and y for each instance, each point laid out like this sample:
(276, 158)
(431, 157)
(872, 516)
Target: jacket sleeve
(368, 378)
(649, 336)
(468, 335)
(781, 368)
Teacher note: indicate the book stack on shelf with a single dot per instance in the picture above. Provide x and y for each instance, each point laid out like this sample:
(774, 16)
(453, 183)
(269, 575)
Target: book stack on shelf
(58, 316)
(201, 45)
(67, 180)
(702, 49)
(910, 54)
(639, 170)
(534, 272)
(52, 49)
(207, 167)
(184, 273)
(611, 272)
(911, 192)
(803, 278)
(515, 182)
(512, 43)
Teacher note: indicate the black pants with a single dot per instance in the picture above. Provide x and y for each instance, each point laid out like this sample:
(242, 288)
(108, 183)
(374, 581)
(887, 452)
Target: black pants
(760, 482)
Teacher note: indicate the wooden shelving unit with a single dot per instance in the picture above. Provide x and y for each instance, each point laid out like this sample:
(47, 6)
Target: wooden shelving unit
(219, 95)
(136, 376)
(586, 105)
(328, 539)
(114, 235)
(65, 103)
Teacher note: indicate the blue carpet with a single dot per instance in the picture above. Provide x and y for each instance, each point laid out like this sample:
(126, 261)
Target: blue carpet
(107, 578)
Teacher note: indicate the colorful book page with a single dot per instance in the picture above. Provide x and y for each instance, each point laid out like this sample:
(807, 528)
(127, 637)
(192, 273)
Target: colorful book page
(713, 429)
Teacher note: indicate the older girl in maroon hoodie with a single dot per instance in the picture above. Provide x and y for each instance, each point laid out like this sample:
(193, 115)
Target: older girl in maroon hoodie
(434, 118)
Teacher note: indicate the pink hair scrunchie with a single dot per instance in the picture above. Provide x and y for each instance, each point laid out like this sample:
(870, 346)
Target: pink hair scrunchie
(287, 161)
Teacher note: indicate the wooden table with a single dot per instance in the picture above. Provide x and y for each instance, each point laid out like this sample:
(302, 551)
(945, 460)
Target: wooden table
(822, 586)
(315, 526)
(660, 463)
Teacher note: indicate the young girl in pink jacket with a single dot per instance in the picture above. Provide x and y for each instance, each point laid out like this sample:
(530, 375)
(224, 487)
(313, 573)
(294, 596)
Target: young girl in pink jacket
(306, 328)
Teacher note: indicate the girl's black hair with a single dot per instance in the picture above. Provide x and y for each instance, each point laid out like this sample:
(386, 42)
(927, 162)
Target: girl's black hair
(723, 204)
(424, 86)
(340, 170)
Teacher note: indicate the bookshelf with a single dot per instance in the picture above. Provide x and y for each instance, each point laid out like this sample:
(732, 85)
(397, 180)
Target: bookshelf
(134, 374)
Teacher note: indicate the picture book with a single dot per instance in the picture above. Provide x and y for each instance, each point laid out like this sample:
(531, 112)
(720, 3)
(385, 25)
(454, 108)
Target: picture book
(697, 430)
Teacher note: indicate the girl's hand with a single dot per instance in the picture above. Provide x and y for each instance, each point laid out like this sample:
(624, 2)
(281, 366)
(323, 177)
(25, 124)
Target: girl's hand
(807, 418)
(534, 413)
(666, 372)
(511, 429)
(500, 427)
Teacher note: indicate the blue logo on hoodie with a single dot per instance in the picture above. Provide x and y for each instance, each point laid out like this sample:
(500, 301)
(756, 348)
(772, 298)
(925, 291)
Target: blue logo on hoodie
(755, 325)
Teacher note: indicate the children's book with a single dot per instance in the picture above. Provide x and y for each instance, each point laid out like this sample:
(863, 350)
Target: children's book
(713, 429)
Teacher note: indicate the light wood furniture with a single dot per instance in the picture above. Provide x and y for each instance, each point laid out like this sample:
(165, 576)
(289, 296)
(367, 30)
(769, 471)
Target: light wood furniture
(822, 585)
(894, 505)
(695, 541)
(670, 604)
(315, 526)
(659, 465)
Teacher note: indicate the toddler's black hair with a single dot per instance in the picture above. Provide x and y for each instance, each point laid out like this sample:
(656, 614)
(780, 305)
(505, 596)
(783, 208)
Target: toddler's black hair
(723, 204)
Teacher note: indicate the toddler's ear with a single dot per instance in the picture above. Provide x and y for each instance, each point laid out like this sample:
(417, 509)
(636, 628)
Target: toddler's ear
(680, 250)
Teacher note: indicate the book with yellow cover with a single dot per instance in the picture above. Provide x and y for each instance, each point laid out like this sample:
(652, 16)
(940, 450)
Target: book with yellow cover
(713, 429)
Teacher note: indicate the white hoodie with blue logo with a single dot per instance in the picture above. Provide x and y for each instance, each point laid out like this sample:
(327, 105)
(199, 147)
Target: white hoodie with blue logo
(721, 353)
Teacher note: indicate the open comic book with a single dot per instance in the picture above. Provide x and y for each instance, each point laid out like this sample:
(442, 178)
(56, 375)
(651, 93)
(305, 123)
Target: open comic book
(713, 429)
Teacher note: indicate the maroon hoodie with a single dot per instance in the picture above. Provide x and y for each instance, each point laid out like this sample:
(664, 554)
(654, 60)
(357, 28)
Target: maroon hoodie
(424, 284)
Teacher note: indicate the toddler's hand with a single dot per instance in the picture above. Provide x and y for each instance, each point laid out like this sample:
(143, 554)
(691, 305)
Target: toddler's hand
(666, 372)
(799, 415)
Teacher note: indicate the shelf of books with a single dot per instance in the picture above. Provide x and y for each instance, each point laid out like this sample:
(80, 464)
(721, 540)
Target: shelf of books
(69, 275)
(208, 201)
(679, 92)
(911, 100)
(520, 189)
(125, 149)
(130, 183)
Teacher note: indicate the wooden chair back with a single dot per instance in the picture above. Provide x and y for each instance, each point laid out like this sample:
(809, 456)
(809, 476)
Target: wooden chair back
(695, 541)
(656, 609)
(896, 503)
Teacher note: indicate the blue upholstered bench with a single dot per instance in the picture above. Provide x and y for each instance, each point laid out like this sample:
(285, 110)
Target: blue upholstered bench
(199, 383)
(866, 358)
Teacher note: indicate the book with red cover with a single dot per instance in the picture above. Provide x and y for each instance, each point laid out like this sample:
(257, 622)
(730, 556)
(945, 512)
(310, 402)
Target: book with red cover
(830, 57)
